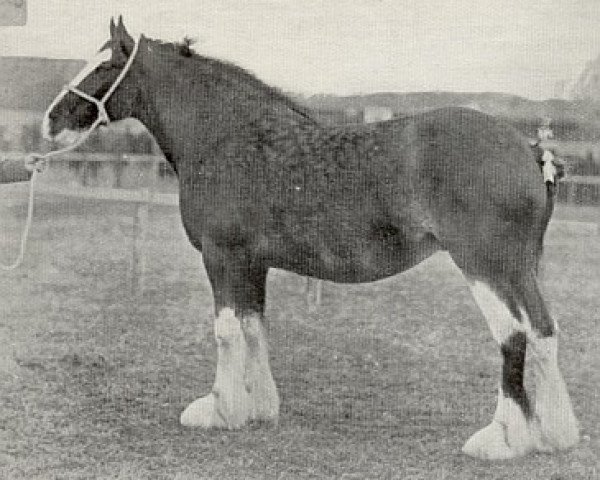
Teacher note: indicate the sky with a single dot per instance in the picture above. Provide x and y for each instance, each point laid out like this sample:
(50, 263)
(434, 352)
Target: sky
(523, 47)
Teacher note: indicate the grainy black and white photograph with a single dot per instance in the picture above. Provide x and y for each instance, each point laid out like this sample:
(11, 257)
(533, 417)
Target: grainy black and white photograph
(299, 239)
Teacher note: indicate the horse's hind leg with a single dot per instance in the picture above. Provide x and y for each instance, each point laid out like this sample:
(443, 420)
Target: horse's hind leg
(554, 415)
(517, 317)
(243, 388)
(509, 435)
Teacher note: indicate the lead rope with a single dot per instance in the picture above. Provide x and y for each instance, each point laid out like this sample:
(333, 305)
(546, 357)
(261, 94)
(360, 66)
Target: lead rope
(41, 158)
(25, 233)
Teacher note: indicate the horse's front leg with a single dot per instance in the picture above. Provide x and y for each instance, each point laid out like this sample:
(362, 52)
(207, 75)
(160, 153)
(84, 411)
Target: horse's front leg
(244, 388)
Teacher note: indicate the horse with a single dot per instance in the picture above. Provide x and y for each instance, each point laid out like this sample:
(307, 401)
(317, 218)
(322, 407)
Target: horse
(263, 185)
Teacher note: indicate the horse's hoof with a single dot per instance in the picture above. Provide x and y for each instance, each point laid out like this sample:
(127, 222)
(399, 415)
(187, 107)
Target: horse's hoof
(561, 434)
(559, 429)
(491, 443)
(202, 413)
(265, 402)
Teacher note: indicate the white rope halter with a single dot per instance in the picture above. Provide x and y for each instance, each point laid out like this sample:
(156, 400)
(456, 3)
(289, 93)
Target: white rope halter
(35, 157)
(100, 105)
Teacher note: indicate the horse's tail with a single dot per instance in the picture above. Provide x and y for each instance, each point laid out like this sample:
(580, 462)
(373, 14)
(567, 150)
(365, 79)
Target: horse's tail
(559, 170)
(551, 189)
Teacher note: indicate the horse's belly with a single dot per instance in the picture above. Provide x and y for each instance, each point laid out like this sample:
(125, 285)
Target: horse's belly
(361, 258)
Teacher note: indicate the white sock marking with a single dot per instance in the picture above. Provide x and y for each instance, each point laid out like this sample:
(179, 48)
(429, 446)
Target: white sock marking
(244, 388)
(553, 408)
(230, 386)
(501, 321)
(508, 436)
(259, 380)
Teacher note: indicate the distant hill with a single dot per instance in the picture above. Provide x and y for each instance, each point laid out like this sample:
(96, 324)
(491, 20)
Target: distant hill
(587, 85)
(31, 83)
(504, 105)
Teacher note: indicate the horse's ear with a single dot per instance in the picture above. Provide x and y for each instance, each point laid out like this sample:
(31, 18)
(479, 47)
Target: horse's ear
(123, 38)
(113, 28)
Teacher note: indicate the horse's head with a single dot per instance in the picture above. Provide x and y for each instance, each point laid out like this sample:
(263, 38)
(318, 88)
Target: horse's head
(91, 96)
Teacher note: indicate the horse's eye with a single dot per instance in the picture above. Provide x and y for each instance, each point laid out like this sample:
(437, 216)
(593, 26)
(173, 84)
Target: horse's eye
(105, 66)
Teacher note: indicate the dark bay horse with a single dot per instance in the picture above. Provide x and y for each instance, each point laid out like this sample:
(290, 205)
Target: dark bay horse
(264, 185)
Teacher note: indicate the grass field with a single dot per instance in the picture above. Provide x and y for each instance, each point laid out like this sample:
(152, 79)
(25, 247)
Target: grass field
(386, 380)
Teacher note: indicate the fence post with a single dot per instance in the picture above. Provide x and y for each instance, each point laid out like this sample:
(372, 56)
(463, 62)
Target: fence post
(140, 229)
(571, 192)
(313, 292)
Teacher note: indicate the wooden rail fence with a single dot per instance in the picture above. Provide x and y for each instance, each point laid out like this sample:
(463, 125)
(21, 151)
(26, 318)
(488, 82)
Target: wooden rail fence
(144, 196)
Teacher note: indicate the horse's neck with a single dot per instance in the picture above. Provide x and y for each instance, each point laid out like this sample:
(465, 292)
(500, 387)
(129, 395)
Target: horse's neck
(187, 122)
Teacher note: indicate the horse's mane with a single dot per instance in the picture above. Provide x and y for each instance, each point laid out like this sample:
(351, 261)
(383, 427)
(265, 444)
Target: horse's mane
(185, 49)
